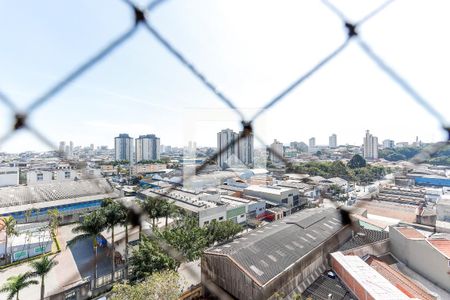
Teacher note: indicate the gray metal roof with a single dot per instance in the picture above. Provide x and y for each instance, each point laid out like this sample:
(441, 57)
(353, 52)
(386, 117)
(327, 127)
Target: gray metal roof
(268, 251)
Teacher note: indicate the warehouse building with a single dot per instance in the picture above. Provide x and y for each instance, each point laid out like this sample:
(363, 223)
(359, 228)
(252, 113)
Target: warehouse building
(280, 257)
(70, 198)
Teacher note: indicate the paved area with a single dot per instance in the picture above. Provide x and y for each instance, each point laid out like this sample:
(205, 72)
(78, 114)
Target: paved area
(63, 274)
(190, 273)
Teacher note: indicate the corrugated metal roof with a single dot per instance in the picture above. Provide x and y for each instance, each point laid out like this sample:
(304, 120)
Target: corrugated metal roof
(270, 250)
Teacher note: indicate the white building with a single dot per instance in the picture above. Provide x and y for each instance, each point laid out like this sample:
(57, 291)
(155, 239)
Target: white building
(332, 141)
(388, 144)
(147, 148)
(37, 177)
(246, 150)
(274, 195)
(370, 146)
(123, 146)
(238, 152)
(62, 146)
(276, 152)
(62, 175)
(312, 142)
(9, 176)
(31, 240)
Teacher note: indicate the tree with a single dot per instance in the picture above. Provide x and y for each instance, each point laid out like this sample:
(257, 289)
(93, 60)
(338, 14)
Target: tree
(125, 222)
(160, 285)
(10, 230)
(167, 210)
(90, 227)
(41, 268)
(357, 161)
(221, 231)
(150, 258)
(187, 237)
(114, 215)
(152, 206)
(53, 220)
(15, 284)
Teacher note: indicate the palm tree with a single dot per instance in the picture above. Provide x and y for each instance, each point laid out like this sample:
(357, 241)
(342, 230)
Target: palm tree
(41, 268)
(114, 215)
(125, 221)
(152, 207)
(90, 227)
(167, 209)
(15, 284)
(10, 230)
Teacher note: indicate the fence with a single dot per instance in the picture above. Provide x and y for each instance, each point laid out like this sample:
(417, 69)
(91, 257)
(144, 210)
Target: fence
(141, 21)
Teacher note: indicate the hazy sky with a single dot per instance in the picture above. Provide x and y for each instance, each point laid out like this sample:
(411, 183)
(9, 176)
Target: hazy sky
(250, 49)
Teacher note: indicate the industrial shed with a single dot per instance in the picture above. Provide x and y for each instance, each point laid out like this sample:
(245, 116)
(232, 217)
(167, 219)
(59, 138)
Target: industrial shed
(285, 255)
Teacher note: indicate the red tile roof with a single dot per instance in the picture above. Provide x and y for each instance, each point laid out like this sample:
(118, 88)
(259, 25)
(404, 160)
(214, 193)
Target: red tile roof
(410, 233)
(442, 245)
(401, 281)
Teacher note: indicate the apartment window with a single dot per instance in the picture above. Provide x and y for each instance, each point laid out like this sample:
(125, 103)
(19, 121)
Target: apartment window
(242, 216)
(295, 197)
(67, 175)
(285, 201)
(220, 218)
(206, 223)
(40, 177)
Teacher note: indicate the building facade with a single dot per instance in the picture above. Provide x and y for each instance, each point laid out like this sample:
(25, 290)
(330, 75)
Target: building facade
(388, 144)
(332, 141)
(147, 148)
(9, 176)
(123, 146)
(312, 142)
(276, 154)
(246, 150)
(370, 143)
(233, 151)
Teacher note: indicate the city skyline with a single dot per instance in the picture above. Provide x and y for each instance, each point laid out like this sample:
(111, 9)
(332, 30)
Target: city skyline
(323, 141)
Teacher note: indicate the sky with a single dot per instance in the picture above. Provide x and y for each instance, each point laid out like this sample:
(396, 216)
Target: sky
(251, 50)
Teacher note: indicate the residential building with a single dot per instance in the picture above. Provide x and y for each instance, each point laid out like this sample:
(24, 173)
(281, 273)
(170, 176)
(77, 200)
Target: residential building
(235, 152)
(123, 146)
(62, 175)
(227, 147)
(9, 176)
(246, 150)
(38, 176)
(428, 256)
(332, 141)
(370, 150)
(312, 142)
(388, 144)
(147, 147)
(280, 257)
(62, 146)
(277, 152)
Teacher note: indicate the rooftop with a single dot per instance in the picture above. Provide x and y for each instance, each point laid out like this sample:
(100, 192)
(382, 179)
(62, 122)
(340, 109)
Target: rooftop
(268, 251)
(373, 283)
(323, 286)
(404, 283)
(410, 233)
(275, 190)
(22, 195)
(364, 237)
(442, 245)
